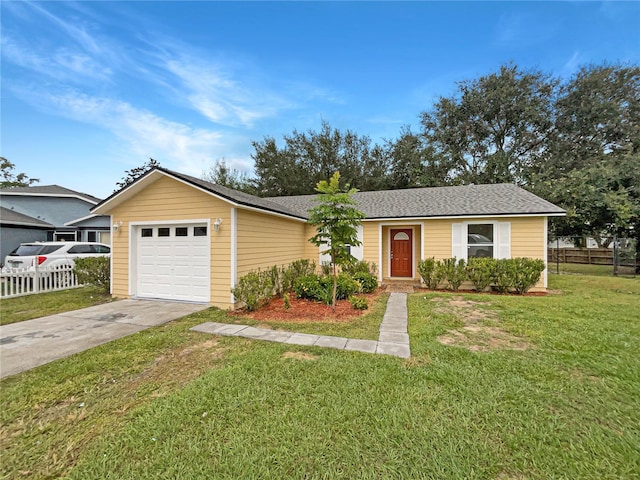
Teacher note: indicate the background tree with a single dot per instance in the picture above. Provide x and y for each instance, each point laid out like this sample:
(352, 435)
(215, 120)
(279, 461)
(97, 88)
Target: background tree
(414, 163)
(309, 157)
(494, 128)
(222, 174)
(135, 173)
(336, 220)
(10, 179)
(593, 161)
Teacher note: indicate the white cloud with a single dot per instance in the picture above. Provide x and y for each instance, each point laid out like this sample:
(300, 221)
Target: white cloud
(220, 94)
(572, 65)
(145, 134)
(61, 65)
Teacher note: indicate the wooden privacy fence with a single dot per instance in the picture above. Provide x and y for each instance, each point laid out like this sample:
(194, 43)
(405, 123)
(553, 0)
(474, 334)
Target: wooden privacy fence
(591, 256)
(18, 282)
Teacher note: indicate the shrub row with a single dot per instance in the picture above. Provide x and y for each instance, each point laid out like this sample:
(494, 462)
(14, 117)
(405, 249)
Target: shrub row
(505, 275)
(257, 287)
(320, 287)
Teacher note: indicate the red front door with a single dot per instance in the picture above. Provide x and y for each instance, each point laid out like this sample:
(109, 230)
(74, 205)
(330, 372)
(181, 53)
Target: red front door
(402, 252)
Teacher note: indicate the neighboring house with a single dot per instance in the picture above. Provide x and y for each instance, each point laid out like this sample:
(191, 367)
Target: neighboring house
(178, 237)
(49, 213)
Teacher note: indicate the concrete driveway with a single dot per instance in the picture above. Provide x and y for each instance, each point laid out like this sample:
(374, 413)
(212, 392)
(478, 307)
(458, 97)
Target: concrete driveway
(28, 344)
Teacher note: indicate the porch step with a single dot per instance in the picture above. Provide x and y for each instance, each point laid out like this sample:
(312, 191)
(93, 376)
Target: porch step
(400, 287)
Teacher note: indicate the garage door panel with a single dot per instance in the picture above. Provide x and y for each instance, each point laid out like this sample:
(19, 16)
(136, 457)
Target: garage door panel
(173, 267)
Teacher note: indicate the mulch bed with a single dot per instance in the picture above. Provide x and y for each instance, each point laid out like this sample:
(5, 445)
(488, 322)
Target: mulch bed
(303, 310)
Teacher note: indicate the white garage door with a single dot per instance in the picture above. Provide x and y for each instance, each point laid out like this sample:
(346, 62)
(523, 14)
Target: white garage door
(173, 262)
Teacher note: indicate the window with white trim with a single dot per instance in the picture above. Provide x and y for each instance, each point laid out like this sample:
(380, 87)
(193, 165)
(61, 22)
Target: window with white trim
(480, 240)
(477, 239)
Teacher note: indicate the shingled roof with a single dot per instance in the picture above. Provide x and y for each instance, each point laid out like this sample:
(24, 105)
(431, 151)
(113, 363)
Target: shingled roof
(462, 201)
(11, 217)
(49, 191)
(469, 200)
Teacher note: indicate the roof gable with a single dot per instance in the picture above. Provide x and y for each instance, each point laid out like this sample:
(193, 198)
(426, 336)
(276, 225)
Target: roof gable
(233, 197)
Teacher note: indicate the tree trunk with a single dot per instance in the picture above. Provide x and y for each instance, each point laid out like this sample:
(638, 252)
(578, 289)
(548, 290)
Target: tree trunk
(335, 286)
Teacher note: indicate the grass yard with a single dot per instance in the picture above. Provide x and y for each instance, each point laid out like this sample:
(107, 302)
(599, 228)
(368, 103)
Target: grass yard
(585, 269)
(499, 387)
(27, 307)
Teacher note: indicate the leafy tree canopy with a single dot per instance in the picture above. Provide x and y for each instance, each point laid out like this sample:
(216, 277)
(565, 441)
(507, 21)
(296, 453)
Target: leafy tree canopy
(10, 179)
(592, 167)
(309, 157)
(493, 128)
(135, 173)
(222, 174)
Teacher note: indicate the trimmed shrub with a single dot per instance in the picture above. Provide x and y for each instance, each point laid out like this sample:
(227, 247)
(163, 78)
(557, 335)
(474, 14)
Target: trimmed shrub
(455, 272)
(526, 273)
(504, 275)
(360, 266)
(359, 303)
(310, 287)
(431, 272)
(368, 282)
(254, 289)
(480, 272)
(293, 271)
(313, 287)
(346, 286)
(94, 271)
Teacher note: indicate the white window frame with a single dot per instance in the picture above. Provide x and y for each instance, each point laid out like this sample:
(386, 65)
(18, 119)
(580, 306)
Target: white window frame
(501, 238)
(96, 232)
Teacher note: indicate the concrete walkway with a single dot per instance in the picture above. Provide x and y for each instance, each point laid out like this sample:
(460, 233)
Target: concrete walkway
(28, 344)
(393, 339)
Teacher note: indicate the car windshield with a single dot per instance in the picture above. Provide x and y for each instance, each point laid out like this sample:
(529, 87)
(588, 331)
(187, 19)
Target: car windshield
(26, 250)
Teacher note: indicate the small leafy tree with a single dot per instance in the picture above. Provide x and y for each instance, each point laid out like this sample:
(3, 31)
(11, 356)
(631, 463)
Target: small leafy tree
(336, 220)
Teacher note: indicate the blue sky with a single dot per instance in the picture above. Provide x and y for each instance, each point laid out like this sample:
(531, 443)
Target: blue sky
(91, 89)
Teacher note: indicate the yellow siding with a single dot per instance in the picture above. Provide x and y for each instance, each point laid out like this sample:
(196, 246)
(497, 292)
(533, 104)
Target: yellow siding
(437, 239)
(371, 243)
(266, 240)
(166, 200)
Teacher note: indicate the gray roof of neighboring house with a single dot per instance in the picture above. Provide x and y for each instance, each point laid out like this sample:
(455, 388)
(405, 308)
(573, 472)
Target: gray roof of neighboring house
(467, 200)
(49, 191)
(11, 217)
(462, 201)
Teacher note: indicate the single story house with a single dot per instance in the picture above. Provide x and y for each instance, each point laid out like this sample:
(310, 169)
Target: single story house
(179, 237)
(41, 213)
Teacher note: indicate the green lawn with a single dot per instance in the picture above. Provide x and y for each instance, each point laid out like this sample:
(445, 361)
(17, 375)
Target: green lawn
(33, 306)
(585, 269)
(529, 387)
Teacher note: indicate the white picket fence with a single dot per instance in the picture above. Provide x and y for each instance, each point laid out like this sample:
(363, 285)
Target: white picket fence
(18, 282)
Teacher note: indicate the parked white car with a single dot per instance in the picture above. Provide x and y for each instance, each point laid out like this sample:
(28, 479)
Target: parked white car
(49, 254)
